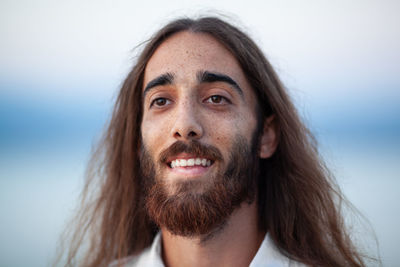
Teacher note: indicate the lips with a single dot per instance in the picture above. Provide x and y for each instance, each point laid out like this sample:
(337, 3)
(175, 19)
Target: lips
(190, 158)
(189, 165)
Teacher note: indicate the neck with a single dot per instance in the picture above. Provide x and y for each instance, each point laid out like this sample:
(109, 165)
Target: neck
(235, 244)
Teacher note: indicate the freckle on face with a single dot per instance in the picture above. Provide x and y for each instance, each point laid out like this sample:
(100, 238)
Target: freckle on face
(185, 54)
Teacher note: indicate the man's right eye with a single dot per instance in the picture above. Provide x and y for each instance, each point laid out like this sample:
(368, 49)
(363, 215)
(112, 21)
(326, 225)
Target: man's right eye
(160, 102)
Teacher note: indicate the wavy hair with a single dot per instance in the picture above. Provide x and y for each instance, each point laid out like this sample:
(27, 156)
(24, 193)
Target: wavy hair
(299, 202)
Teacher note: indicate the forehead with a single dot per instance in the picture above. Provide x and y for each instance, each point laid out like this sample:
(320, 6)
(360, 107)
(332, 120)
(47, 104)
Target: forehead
(186, 53)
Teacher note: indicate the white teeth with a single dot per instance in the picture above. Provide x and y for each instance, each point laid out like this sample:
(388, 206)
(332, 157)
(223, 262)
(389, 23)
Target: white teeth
(190, 162)
(183, 162)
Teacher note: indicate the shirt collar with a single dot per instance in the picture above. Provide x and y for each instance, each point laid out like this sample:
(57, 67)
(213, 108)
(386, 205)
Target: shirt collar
(267, 255)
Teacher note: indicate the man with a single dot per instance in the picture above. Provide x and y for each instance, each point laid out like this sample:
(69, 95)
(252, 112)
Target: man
(206, 163)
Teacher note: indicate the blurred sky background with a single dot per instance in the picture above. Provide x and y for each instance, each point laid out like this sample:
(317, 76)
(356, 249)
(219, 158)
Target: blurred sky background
(62, 62)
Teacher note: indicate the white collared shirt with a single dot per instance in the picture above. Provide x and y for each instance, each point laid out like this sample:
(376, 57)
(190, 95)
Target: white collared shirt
(267, 256)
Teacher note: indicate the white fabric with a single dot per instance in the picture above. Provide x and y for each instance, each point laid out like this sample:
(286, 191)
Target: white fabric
(267, 256)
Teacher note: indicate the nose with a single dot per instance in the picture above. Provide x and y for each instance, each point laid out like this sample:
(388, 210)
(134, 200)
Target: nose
(187, 124)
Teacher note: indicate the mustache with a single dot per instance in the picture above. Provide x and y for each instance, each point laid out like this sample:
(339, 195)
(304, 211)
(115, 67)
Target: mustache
(193, 147)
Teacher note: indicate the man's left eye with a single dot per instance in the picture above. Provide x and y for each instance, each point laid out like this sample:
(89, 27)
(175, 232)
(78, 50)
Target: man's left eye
(217, 99)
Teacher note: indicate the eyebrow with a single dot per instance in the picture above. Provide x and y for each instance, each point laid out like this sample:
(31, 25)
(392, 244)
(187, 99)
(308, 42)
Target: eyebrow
(202, 77)
(164, 79)
(210, 77)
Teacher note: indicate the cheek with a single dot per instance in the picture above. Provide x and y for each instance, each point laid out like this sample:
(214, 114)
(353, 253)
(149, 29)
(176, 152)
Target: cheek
(248, 122)
(225, 131)
(154, 133)
(248, 127)
(218, 127)
(242, 124)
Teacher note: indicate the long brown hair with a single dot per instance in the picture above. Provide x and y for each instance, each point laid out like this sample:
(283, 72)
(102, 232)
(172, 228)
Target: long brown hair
(299, 202)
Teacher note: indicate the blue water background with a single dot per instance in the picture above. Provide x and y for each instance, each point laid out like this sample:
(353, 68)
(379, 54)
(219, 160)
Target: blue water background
(46, 140)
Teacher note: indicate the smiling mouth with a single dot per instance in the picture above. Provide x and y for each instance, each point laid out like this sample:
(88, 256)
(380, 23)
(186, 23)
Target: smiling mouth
(190, 162)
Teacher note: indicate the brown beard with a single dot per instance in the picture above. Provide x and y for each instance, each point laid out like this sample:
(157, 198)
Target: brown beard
(191, 212)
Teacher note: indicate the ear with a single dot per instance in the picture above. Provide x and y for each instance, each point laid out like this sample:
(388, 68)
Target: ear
(269, 140)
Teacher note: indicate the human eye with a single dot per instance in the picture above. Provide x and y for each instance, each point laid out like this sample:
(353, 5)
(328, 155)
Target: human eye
(217, 100)
(160, 102)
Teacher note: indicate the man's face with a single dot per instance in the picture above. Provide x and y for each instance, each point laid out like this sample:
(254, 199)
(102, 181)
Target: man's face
(198, 116)
(182, 107)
